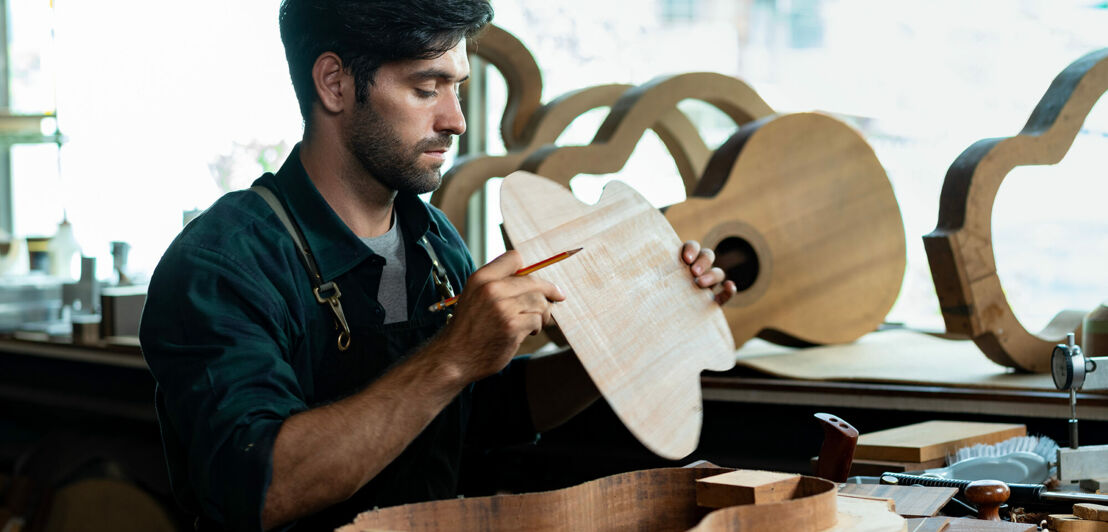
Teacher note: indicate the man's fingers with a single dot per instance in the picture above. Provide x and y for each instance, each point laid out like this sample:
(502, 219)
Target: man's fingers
(516, 286)
(690, 251)
(533, 301)
(530, 324)
(521, 295)
(500, 267)
(552, 292)
(703, 262)
(705, 275)
(711, 278)
(503, 268)
(726, 293)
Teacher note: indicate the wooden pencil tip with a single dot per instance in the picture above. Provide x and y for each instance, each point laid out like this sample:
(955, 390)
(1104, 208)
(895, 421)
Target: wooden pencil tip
(572, 251)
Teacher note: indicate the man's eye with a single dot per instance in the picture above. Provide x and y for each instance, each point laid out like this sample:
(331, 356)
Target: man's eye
(425, 94)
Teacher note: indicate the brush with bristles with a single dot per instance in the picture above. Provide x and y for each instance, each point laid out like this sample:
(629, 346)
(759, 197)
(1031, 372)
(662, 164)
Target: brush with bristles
(1040, 445)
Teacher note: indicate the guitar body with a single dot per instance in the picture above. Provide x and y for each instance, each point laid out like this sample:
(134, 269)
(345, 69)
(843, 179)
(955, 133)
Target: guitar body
(652, 499)
(803, 217)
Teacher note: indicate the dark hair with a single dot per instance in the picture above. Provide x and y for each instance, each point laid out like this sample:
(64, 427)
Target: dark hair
(366, 34)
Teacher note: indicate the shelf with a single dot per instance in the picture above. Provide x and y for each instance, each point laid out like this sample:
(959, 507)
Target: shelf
(27, 129)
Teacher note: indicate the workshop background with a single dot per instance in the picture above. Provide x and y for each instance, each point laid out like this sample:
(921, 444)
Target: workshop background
(123, 119)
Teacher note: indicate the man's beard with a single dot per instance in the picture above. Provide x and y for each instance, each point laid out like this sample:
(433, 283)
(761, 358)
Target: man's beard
(378, 147)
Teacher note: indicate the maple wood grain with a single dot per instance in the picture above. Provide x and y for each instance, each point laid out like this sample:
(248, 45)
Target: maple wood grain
(633, 314)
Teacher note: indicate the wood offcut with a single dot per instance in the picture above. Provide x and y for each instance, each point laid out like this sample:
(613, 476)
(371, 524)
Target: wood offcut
(746, 487)
(931, 440)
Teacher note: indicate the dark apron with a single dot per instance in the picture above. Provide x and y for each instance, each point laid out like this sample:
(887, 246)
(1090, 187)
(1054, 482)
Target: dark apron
(427, 468)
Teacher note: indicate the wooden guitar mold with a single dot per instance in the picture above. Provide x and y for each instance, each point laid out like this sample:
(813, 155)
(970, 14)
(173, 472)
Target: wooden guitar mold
(803, 218)
(653, 106)
(653, 499)
(960, 249)
(635, 318)
(469, 173)
(521, 74)
(526, 126)
(636, 111)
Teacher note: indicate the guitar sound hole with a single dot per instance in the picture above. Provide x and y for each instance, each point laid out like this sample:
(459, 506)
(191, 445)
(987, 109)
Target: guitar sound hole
(737, 258)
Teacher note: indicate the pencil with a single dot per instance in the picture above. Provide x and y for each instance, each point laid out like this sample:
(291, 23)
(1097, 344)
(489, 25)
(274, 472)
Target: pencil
(527, 270)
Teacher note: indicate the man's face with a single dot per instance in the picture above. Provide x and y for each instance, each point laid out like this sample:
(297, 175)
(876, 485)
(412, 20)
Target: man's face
(402, 133)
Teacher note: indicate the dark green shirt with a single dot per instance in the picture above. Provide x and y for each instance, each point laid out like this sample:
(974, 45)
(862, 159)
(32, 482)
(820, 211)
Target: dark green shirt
(238, 343)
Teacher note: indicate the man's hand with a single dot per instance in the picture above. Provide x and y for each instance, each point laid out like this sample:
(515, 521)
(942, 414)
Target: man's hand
(495, 312)
(700, 263)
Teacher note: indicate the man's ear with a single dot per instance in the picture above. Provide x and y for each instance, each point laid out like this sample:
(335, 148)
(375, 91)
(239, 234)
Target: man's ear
(332, 83)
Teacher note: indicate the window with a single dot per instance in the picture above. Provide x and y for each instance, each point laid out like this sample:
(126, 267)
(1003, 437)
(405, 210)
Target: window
(922, 81)
(678, 10)
(164, 106)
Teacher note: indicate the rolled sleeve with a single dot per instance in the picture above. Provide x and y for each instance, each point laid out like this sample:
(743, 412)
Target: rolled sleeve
(214, 337)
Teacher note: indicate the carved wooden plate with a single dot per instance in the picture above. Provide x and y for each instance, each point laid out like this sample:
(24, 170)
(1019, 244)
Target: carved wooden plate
(633, 314)
(652, 499)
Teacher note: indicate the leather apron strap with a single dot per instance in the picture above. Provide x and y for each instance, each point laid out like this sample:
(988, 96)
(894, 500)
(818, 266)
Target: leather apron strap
(326, 293)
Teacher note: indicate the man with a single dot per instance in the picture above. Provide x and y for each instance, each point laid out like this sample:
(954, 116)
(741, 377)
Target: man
(279, 408)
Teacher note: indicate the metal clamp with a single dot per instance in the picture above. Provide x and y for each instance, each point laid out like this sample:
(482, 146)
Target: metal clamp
(332, 299)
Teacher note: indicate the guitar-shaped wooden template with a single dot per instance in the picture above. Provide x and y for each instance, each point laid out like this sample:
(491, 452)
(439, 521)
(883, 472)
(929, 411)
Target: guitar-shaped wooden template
(633, 314)
(960, 249)
(803, 217)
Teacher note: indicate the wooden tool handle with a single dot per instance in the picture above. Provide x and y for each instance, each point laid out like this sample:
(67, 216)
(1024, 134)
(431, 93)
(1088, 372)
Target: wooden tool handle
(837, 453)
(988, 495)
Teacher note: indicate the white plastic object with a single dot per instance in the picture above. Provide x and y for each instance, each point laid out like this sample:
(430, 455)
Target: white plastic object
(1020, 467)
(64, 252)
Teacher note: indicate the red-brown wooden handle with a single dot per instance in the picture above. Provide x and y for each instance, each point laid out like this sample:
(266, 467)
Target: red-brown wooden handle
(837, 452)
(988, 495)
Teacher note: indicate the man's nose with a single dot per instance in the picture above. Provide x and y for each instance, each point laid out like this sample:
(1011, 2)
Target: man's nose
(449, 117)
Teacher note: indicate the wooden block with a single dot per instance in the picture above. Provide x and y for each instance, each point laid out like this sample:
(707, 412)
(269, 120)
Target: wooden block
(1072, 523)
(875, 468)
(1088, 461)
(1092, 512)
(745, 487)
(1097, 485)
(932, 439)
(864, 514)
(977, 525)
(928, 524)
(121, 308)
(911, 501)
